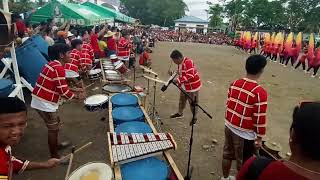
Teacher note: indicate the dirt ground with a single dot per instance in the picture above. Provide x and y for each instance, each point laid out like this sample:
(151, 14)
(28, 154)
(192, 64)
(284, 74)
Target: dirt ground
(218, 67)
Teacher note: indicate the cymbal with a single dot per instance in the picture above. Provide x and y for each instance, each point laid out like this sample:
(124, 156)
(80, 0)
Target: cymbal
(148, 70)
(154, 79)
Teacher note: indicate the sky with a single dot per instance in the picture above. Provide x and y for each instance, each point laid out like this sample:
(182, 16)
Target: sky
(197, 7)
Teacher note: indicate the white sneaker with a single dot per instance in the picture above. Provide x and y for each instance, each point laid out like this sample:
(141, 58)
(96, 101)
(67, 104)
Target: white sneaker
(313, 76)
(305, 71)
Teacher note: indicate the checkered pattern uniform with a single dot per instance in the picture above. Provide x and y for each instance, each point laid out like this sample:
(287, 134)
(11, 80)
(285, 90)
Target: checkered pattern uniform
(85, 60)
(51, 84)
(189, 77)
(87, 49)
(124, 47)
(247, 107)
(71, 66)
(18, 166)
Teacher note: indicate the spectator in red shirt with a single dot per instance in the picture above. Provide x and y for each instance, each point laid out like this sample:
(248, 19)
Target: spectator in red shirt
(13, 121)
(189, 80)
(50, 89)
(245, 123)
(21, 27)
(145, 58)
(94, 39)
(304, 163)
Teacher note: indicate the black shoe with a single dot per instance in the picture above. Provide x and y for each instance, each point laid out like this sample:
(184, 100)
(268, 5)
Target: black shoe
(176, 116)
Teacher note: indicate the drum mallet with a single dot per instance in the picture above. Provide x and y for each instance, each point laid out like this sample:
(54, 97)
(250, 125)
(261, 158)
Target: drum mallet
(77, 150)
(70, 162)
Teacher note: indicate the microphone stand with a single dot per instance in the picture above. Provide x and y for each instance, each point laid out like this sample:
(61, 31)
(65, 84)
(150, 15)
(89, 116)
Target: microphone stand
(194, 104)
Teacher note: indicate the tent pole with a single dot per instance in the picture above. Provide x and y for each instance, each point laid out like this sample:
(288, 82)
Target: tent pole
(5, 5)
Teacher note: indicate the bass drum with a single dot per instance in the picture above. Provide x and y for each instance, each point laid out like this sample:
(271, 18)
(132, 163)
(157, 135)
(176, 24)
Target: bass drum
(116, 88)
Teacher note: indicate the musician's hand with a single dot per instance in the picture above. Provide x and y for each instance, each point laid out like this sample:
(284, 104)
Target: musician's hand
(258, 143)
(170, 72)
(175, 81)
(53, 162)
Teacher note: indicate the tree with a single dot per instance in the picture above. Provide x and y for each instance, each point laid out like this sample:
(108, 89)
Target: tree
(216, 15)
(158, 12)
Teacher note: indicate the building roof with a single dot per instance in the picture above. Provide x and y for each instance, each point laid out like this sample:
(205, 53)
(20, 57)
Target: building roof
(191, 19)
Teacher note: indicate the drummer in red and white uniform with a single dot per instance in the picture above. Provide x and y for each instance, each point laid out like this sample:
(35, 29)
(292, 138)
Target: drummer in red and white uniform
(188, 79)
(13, 121)
(87, 54)
(51, 87)
(75, 56)
(124, 47)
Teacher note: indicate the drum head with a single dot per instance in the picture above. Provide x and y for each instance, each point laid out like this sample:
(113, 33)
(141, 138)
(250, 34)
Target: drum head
(71, 74)
(92, 171)
(111, 72)
(117, 88)
(96, 99)
(94, 71)
(113, 77)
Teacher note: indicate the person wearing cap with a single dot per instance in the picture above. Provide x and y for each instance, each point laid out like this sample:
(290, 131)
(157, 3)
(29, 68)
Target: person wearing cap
(69, 38)
(111, 43)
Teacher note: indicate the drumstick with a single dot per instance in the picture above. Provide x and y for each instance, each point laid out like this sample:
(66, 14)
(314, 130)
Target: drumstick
(70, 163)
(77, 150)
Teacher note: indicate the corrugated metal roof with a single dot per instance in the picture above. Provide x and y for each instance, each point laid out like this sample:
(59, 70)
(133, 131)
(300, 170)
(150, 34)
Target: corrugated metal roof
(191, 19)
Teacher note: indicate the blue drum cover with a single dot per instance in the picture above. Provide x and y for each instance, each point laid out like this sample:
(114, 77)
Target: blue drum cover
(124, 99)
(126, 114)
(30, 62)
(145, 169)
(40, 43)
(134, 127)
(6, 87)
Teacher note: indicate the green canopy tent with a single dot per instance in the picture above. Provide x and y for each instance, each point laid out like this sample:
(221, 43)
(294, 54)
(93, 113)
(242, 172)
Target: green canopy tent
(77, 14)
(118, 16)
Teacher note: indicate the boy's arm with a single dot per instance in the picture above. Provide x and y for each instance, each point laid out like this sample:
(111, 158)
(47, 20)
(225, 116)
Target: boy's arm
(43, 165)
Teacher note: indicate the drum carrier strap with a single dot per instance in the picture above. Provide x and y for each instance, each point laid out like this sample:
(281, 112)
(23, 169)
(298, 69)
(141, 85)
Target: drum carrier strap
(257, 167)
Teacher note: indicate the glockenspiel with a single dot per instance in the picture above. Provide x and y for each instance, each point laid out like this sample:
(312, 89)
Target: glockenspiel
(129, 147)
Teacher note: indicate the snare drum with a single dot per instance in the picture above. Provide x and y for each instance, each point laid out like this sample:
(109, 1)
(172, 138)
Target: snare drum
(113, 77)
(116, 88)
(108, 67)
(96, 102)
(92, 171)
(121, 67)
(71, 74)
(94, 74)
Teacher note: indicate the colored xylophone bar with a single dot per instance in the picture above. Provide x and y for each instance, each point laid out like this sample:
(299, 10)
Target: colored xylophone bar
(126, 148)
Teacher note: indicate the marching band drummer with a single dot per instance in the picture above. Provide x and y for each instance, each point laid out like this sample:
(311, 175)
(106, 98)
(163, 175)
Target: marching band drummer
(190, 81)
(50, 88)
(13, 121)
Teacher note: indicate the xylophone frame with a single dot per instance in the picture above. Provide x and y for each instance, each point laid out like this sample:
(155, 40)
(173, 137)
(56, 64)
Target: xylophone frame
(166, 154)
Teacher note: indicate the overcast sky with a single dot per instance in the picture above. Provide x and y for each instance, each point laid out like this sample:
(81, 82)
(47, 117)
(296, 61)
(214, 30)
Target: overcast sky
(197, 7)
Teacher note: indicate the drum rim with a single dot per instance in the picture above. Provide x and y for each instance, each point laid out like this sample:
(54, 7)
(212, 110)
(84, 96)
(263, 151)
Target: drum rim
(93, 162)
(97, 103)
(75, 73)
(126, 85)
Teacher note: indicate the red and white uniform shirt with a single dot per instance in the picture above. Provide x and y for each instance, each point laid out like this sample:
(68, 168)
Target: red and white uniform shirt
(87, 49)
(7, 161)
(189, 77)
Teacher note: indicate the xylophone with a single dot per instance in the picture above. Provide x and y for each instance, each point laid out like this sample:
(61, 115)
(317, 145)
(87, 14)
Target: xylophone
(125, 148)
